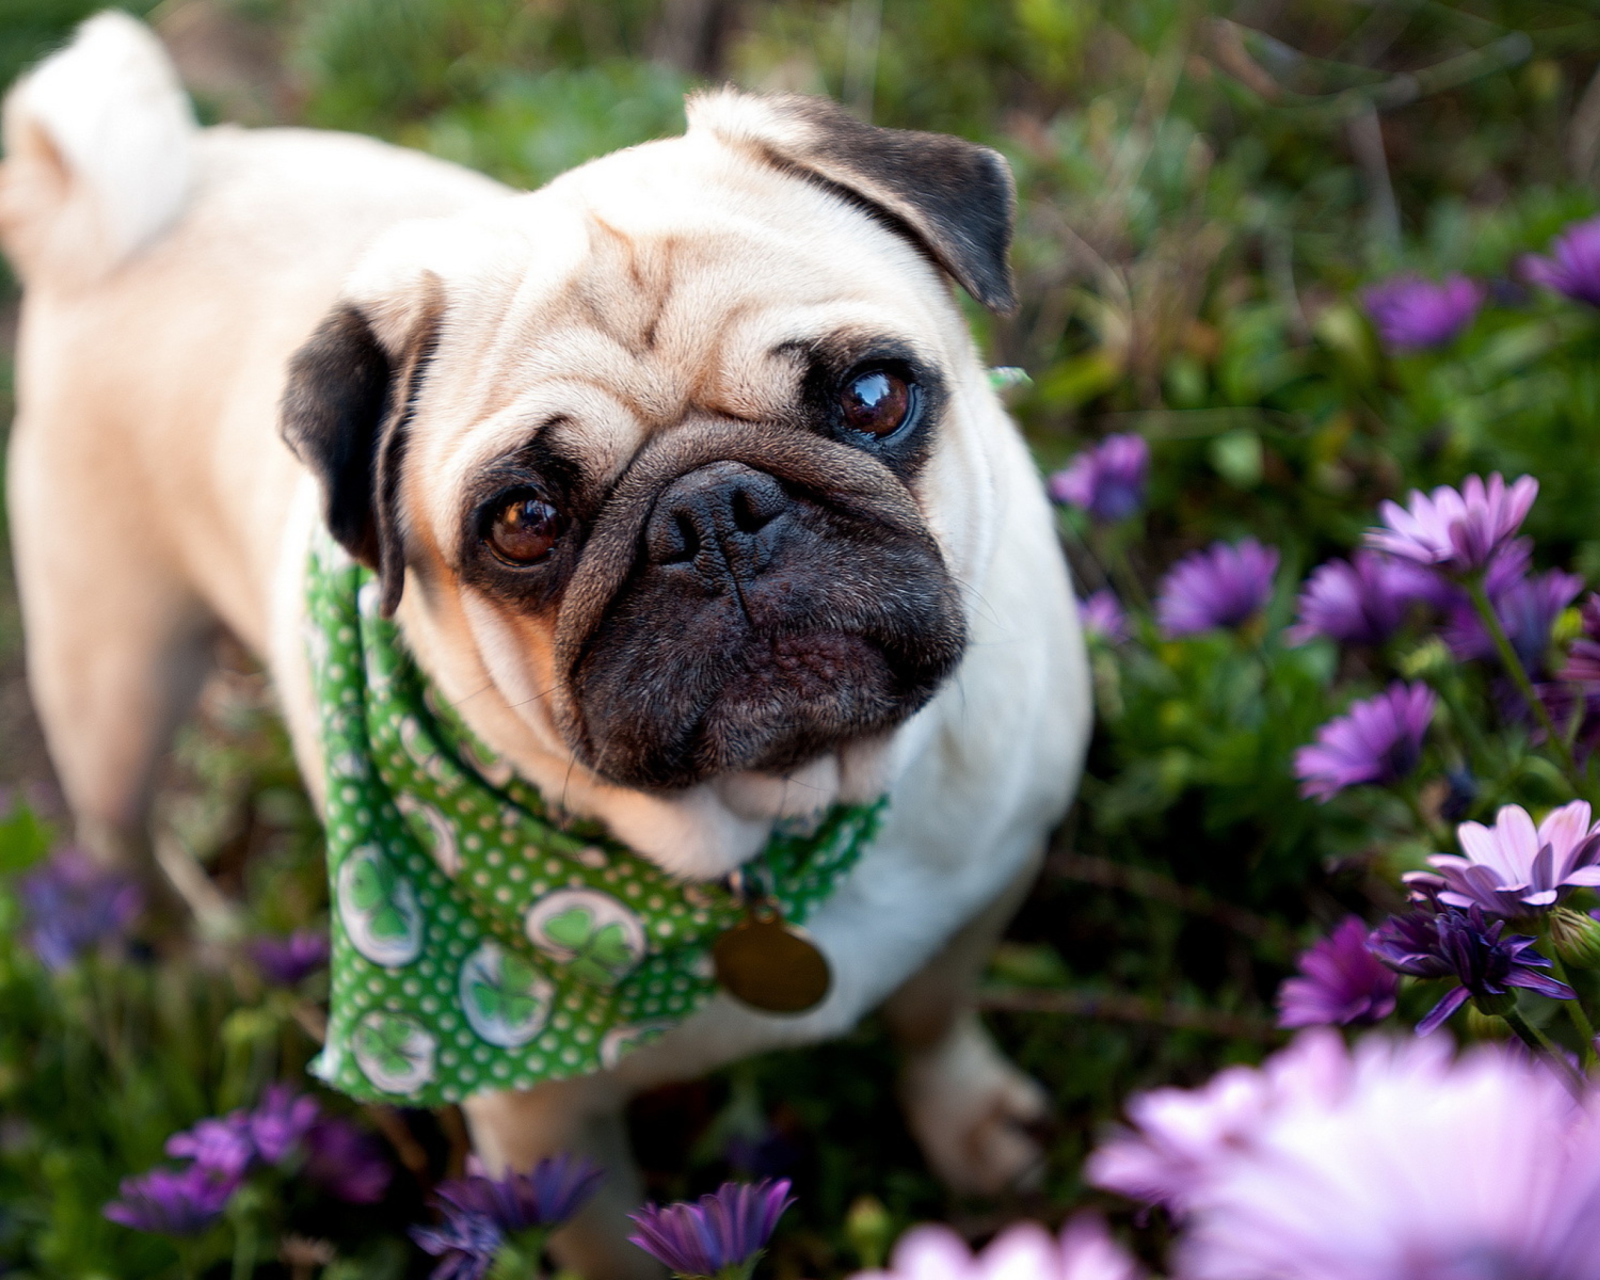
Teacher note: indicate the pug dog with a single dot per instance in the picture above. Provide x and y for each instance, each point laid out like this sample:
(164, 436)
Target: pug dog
(681, 477)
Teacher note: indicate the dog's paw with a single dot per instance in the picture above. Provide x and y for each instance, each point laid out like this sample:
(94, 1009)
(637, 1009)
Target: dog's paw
(971, 1110)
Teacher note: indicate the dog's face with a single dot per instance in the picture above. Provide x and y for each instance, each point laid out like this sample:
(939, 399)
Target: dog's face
(658, 442)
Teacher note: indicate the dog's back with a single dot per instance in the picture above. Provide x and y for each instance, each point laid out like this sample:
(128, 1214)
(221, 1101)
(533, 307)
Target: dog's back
(99, 155)
(169, 271)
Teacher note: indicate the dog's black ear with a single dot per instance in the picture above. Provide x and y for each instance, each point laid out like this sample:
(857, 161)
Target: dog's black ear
(345, 414)
(952, 198)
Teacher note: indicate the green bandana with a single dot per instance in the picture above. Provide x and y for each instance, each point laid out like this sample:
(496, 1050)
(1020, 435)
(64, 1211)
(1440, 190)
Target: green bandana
(477, 945)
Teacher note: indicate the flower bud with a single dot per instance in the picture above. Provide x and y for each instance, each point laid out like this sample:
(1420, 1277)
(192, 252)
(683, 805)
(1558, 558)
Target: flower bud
(1430, 658)
(869, 1229)
(1479, 1027)
(1576, 938)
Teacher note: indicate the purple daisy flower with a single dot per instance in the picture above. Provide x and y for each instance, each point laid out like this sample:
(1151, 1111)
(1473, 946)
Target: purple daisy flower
(725, 1232)
(465, 1244)
(1108, 480)
(1574, 265)
(220, 1145)
(1103, 617)
(1340, 983)
(346, 1161)
(173, 1202)
(1583, 659)
(1378, 741)
(1513, 868)
(546, 1197)
(1527, 609)
(72, 903)
(287, 961)
(1459, 531)
(1362, 600)
(1218, 587)
(1446, 942)
(1412, 314)
(280, 1122)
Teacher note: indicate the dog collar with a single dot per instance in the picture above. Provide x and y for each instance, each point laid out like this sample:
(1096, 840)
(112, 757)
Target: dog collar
(477, 944)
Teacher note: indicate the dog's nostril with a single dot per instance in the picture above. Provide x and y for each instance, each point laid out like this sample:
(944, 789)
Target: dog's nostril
(718, 510)
(688, 536)
(750, 513)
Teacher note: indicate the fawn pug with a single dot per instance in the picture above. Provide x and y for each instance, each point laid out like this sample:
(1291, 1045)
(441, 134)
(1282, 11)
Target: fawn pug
(680, 478)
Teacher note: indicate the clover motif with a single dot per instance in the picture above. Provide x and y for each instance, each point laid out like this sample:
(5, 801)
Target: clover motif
(394, 1052)
(378, 908)
(440, 839)
(505, 1000)
(597, 937)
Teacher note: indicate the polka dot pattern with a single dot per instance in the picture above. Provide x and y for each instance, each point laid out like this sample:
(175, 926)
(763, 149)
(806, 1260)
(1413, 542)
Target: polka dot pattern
(479, 943)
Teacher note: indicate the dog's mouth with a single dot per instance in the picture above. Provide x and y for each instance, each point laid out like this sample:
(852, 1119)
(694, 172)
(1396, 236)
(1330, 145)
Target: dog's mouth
(760, 624)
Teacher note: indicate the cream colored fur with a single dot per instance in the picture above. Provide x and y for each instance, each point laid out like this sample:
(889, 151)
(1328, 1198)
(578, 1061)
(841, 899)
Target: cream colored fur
(171, 272)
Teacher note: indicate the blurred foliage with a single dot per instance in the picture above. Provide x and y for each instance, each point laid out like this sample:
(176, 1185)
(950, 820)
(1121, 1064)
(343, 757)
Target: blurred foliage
(1204, 188)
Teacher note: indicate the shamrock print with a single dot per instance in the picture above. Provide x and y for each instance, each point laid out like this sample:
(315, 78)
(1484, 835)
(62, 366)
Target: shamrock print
(395, 1052)
(619, 1042)
(505, 1001)
(378, 908)
(597, 937)
(440, 838)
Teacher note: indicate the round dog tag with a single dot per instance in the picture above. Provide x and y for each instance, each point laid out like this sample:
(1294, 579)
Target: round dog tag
(770, 965)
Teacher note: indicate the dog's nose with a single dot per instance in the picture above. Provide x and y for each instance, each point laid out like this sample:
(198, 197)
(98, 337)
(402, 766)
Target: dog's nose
(724, 519)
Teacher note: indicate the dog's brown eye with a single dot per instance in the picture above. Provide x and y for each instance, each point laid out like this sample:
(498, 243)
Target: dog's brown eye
(876, 403)
(525, 529)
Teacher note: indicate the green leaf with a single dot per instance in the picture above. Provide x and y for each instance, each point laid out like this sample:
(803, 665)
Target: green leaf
(24, 839)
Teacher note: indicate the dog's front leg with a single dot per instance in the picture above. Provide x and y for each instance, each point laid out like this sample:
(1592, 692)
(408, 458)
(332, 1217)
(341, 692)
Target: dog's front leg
(969, 1108)
(582, 1116)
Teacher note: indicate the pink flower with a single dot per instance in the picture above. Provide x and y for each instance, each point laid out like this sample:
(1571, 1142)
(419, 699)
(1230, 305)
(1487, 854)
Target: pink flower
(1458, 531)
(1181, 1136)
(1421, 1167)
(1513, 867)
(1023, 1251)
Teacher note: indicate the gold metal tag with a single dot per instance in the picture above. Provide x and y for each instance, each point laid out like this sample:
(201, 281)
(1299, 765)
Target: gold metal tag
(770, 965)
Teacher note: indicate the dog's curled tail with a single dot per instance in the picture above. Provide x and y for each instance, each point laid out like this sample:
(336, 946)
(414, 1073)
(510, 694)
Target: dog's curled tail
(98, 145)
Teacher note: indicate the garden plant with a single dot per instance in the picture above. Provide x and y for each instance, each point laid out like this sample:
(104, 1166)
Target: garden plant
(1309, 353)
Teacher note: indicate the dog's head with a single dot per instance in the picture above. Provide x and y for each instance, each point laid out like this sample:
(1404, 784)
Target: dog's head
(680, 447)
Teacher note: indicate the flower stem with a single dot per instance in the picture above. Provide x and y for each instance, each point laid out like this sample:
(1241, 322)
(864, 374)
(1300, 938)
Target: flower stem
(1108, 546)
(1427, 825)
(1540, 1043)
(244, 1250)
(1477, 747)
(1575, 1011)
(1519, 677)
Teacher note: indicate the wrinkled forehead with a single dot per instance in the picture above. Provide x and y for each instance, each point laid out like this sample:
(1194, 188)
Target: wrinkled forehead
(665, 281)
